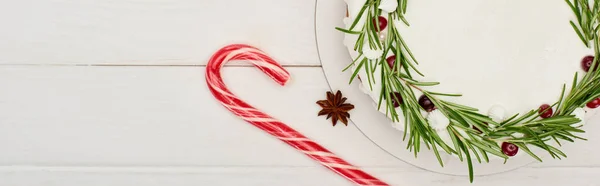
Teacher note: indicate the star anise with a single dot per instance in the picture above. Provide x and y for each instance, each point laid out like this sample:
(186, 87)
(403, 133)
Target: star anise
(335, 108)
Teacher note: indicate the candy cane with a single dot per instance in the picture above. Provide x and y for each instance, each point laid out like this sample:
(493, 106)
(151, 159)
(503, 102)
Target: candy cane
(268, 123)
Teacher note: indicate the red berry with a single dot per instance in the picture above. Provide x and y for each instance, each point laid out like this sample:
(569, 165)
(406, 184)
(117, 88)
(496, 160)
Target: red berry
(545, 111)
(382, 23)
(391, 61)
(594, 103)
(586, 63)
(396, 99)
(509, 149)
(426, 103)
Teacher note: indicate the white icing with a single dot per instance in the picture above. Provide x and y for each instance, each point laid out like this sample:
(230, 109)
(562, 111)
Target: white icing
(445, 137)
(388, 5)
(518, 135)
(382, 35)
(371, 53)
(505, 58)
(354, 7)
(437, 120)
(579, 114)
(424, 113)
(497, 113)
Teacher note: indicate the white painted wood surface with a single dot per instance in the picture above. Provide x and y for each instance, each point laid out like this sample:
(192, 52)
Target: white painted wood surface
(66, 121)
(160, 32)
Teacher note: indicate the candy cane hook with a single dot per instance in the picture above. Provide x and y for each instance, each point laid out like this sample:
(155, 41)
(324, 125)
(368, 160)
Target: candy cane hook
(268, 123)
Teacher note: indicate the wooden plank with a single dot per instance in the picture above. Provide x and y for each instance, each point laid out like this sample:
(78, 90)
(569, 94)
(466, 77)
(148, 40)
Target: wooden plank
(165, 116)
(289, 176)
(156, 32)
(160, 116)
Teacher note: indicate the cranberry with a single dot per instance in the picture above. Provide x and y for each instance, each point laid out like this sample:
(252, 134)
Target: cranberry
(509, 149)
(382, 23)
(586, 63)
(396, 99)
(545, 111)
(426, 103)
(391, 61)
(594, 103)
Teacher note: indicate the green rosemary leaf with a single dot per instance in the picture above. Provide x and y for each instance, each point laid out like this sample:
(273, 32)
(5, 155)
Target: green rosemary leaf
(403, 44)
(469, 163)
(348, 31)
(556, 140)
(398, 78)
(436, 139)
(579, 34)
(456, 143)
(370, 78)
(509, 119)
(353, 62)
(541, 142)
(373, 36)
(414, 68)
(473, 150)
(563, 120)
(484, 155)
(594, 17)
(520, 119)
(478, 117)
(563, 137)
(417, 142)
(551, 133)
(574, 85)
(552, 153)
(524, 147)
(568, 128)
(360, 42)
(424, 83)
(437, 153)
(591, 98)
(360, 14)
(575, 10)
(490, 150)
(560, 100)
(444, 94)
(462, 107)
(410, 140)
(466, 128)
(404, 20)
(557, 151)
(491, 144)
(357, 70)
(405, 122)
(571, 135)
(457, 120)
(382, 94)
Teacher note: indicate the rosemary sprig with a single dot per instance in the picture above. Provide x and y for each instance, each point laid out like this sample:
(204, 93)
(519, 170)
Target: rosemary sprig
(467, 143)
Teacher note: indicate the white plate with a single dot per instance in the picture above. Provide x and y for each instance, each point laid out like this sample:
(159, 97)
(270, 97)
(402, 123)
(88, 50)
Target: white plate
(334, 57)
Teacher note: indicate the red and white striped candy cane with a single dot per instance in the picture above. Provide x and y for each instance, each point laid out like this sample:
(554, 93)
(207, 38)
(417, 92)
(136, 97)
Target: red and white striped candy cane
(268, 123)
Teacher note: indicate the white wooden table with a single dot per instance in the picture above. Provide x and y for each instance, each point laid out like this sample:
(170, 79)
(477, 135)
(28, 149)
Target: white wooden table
(112, 92)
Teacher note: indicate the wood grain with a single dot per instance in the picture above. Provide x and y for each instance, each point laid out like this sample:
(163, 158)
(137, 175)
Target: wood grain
(159, 116)
(67, 125)
(288, 176)
(113, 93)
(152, 32)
